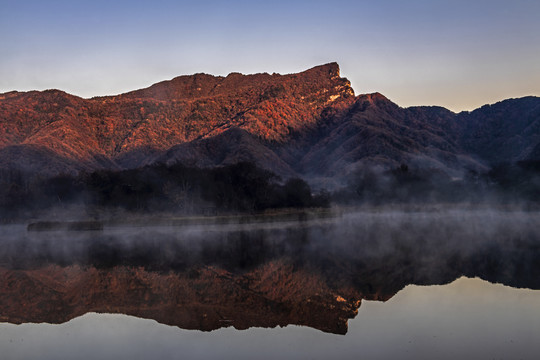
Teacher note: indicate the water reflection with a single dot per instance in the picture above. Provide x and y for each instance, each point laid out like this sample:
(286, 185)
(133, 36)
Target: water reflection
(467, 319)
(314, 272)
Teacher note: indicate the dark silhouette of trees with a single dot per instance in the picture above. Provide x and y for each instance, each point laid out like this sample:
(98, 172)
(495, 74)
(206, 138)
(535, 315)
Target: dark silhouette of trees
(297, 193)
(242, 187)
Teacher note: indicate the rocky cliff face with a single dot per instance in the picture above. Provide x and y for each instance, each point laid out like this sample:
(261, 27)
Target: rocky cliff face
(309, 124)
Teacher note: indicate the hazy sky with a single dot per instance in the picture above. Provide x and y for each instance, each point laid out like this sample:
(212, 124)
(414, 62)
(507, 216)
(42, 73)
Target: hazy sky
(459, 54)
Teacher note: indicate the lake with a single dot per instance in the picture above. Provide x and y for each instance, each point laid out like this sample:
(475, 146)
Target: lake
(439, 283)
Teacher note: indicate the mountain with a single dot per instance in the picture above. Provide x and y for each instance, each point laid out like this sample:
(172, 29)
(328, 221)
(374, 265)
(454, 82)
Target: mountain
(308, 124)
(507, 131)
(230, 147)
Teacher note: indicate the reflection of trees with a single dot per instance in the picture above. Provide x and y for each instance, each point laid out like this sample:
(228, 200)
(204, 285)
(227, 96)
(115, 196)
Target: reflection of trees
(261, 274)
(382, 251)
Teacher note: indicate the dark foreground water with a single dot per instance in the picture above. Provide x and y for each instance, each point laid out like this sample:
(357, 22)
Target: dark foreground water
(442, 284)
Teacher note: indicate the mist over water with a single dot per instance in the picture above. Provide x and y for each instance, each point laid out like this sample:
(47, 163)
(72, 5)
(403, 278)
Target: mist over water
(316, 271)
(430, 245)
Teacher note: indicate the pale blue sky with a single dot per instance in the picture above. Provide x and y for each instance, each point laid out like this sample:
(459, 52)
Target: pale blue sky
(458, 54)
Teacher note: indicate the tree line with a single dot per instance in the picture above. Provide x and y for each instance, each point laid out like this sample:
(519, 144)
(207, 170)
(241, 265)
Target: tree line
(241, 187)
(503, 183)
(246, 188)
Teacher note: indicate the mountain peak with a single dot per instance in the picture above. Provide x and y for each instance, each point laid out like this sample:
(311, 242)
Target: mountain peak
(330, 69)
(374, 96)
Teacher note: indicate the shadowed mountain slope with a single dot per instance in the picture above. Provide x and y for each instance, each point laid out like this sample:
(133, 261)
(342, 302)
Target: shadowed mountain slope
(507, 131)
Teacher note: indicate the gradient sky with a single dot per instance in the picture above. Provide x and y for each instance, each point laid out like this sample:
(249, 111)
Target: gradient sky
(458, 54)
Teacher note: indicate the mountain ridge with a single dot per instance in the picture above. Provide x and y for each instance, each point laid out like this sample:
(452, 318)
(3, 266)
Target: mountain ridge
(309, 124)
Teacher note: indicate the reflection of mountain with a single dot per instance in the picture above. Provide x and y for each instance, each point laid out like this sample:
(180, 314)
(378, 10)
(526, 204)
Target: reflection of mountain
(205, 298)
(312, 273)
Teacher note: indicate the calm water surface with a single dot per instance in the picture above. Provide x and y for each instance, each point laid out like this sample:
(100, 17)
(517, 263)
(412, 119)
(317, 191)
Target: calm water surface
(469, 318)
(442, 284)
